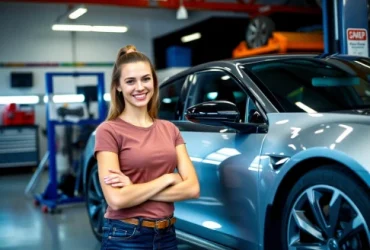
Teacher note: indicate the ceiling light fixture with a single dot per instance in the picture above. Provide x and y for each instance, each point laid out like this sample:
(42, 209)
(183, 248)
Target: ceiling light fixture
(89, 28)
(65, 98)
(191, 37)
(77, 12)
(182, 13)
(32, 99)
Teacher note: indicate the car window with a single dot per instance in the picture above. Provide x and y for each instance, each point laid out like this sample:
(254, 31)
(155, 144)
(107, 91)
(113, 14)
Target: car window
(171, 100)
(220, 86)
(313, 85)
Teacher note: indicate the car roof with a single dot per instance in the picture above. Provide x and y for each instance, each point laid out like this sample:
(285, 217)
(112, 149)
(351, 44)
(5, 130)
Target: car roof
(256, 59)
(283, 56)
(268, 57)
(232, 61)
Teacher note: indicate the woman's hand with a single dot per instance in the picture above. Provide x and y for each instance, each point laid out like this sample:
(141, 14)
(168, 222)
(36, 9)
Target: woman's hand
(117, 179)
(176, 178)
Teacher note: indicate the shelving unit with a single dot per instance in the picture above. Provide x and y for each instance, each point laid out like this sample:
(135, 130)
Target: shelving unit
(19, 146)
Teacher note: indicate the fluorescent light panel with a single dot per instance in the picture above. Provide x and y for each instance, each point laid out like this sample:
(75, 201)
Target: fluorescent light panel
(114, 29)
(73, 98)
(70, 27)
(65, 98)
(191, 37)
(89, 28)
(77, 13)
(32, 99)
(68, 98)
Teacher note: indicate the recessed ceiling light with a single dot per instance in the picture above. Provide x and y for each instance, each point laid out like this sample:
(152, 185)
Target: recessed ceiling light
(89, 28)
(77, 13)
(191, 37)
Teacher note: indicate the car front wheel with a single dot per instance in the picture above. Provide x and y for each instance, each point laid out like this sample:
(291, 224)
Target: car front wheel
(95, 202)
(326, 209)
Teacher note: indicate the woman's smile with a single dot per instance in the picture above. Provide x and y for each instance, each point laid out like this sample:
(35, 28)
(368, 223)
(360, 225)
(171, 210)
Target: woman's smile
(140, 96)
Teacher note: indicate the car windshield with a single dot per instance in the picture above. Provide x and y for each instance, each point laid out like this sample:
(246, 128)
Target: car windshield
(314, 85)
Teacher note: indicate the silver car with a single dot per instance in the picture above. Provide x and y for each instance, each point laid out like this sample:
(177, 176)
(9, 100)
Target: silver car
(281, 148)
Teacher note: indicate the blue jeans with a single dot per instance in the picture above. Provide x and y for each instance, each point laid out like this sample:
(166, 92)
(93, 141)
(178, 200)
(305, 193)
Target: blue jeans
(118, 235)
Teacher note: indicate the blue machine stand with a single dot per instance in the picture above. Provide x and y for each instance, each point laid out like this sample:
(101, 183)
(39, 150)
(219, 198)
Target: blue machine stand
(51, 198)
(345, 24)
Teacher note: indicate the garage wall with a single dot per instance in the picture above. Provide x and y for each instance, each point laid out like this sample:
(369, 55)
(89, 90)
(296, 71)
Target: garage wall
(26, 37)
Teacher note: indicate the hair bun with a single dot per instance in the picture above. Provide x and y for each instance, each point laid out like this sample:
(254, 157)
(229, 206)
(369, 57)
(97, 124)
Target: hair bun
(127, 49)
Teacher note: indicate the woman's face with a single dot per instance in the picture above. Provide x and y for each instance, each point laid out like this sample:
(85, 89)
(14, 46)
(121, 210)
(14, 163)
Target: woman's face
(136, 84)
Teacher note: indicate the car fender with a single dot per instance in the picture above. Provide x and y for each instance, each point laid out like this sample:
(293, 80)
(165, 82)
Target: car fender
(295, 138)
(317, 152)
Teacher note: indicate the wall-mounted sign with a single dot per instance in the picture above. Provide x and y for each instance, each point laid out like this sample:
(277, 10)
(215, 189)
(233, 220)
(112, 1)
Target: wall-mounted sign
(357, 42)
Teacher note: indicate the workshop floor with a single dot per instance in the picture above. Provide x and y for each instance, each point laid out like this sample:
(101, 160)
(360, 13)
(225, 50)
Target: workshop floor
(24, 226)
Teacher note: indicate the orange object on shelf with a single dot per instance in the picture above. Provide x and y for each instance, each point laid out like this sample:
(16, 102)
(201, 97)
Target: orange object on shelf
(283, 42)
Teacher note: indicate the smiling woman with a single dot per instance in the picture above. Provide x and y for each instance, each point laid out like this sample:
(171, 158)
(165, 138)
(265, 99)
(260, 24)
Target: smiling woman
(137, 155)
(129, 68)
(137, 86)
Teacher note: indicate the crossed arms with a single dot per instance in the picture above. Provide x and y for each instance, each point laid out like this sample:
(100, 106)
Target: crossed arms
(120, 192)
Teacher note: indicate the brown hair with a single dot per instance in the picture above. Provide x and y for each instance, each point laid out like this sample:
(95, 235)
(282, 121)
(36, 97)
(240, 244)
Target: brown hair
(117, 103)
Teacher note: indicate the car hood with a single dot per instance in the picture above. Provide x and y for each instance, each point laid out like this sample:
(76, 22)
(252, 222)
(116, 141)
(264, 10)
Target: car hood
(354, 112)
(349, 133)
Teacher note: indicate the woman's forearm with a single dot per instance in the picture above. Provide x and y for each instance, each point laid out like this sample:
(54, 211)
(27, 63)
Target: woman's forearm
(182, 191)
(136, 194)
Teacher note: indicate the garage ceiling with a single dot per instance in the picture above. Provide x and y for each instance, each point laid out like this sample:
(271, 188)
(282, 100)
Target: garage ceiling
(252, 6)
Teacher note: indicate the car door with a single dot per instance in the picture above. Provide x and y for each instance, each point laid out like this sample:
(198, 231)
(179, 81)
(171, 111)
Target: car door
(226, 163)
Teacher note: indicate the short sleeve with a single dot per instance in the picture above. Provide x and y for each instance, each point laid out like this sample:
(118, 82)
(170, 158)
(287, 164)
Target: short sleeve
(106, 139)
(178, 137)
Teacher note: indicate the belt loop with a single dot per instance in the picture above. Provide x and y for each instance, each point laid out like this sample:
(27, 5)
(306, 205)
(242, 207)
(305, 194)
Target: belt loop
(169, 224)
(140, 223)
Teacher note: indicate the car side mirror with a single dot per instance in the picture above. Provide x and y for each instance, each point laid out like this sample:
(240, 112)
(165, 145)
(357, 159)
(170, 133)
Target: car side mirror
(213, 113)
(255, 116)
(223, 113)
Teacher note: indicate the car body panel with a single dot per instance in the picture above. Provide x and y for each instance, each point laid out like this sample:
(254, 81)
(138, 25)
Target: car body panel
(226, 197)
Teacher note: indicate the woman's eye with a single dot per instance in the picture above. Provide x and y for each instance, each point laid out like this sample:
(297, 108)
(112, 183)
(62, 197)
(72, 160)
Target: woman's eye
(130, 82)
(147, 79)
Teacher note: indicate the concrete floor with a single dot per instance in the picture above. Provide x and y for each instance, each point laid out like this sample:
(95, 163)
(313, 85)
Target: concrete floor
(25, 226)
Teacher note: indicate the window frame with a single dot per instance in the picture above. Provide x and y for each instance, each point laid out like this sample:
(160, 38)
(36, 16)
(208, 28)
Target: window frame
(179, 113)
(241, 85)
(271, 96)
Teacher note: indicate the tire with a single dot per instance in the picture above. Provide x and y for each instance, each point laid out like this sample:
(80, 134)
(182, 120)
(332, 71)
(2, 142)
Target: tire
(95, 203)
(259, 31)
(342, 225)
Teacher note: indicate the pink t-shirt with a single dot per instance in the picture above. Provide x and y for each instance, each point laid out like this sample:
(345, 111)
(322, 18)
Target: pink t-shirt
(144, 154)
